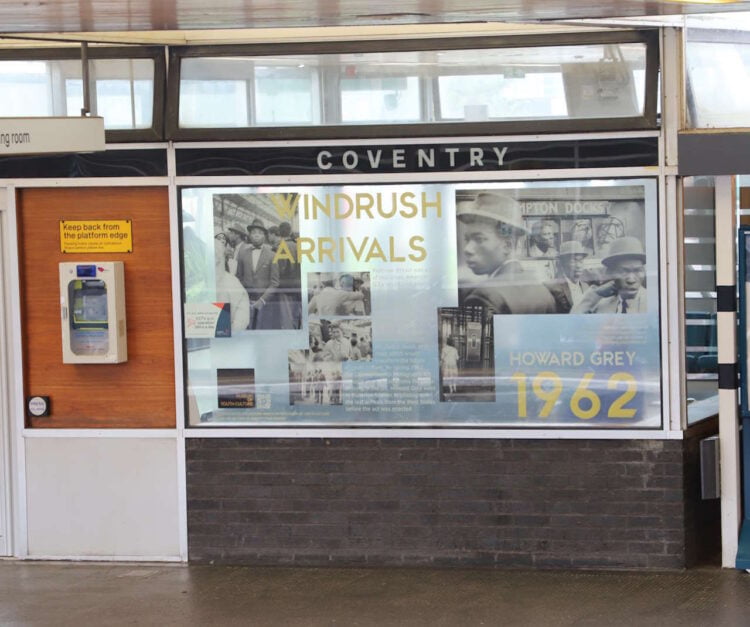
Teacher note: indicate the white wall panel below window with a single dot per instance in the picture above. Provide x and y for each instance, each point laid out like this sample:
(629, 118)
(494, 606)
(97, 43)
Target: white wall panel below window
(116, 499)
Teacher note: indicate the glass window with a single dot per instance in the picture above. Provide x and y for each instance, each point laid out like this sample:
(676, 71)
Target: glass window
(718, 70)
(701, 358)
(122, 90)
(219, 103)
(230, 92)
(567, 82)
(481, 97)
(27, 88)
(285, 95)
(380, 100)
(718, 74)
(406, 305)
(547, 82)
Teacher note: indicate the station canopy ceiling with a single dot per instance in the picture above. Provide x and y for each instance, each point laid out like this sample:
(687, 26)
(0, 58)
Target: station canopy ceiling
(189, 21)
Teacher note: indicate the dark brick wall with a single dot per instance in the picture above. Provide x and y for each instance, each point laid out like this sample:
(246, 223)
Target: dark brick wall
(529, 503)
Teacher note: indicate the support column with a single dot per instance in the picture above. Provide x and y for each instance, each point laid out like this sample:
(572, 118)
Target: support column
(726, 321)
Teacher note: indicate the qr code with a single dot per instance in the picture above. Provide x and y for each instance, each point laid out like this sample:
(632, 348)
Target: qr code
(263, 401)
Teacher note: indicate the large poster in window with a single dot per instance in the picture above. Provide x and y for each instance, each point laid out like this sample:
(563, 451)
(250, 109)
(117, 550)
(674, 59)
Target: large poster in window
(528, 304)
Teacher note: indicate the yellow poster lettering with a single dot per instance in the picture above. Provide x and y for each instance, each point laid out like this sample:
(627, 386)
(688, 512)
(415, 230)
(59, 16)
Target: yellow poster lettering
(549, 394)
(582, 393)
(520, 379)
(365, 203)
(618, 409)
(343, 206)
(410, 208)
(435, 204)
(306, 248)
(285, 204)
(375, 252)
(358, 252)
(391, 248)
(326, 248)
(283, 253)
(420, 253)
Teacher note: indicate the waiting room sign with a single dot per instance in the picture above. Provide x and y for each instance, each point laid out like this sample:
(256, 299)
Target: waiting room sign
(31, 136)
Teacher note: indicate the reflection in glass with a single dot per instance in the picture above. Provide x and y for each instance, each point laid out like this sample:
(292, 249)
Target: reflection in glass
(701, 354)
(544, 82)
(123, 90)
(378, 333)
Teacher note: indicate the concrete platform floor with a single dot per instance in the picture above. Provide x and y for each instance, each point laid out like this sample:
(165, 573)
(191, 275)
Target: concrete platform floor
(64, 593)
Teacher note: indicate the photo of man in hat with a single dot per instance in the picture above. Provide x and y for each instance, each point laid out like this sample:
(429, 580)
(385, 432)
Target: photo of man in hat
(236, 237)
(489, 228)
(625, 263)
(568, 289)
(259, 275)
(289, 294)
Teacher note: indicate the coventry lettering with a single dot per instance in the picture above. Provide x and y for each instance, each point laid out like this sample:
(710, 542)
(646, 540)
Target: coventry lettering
(421, 158)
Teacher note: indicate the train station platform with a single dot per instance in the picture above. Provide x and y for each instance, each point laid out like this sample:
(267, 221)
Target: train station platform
(64, 593)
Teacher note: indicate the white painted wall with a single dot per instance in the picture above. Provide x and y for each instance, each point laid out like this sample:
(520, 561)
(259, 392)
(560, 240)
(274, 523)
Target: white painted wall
(102, 497)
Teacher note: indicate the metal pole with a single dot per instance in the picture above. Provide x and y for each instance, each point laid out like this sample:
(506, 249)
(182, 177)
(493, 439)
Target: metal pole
(85, 74)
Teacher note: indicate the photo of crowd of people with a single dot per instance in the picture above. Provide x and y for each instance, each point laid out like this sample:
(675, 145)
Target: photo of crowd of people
(332, 342)
(555, 255)
(338, 294)
(314, 383)
(341, 340)
(245, 245)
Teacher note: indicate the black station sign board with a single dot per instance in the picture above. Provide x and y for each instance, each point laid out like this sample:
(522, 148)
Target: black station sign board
(420, 158)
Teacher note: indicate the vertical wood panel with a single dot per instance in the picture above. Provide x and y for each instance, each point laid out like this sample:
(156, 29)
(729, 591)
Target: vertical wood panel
(137, 393)
(744, 200)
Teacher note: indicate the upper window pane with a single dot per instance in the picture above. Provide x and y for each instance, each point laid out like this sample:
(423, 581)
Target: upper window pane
(233, 92)
(26, 87)
(479, 97)
(122, 90)
(285, 95)
(380, 100)
(718, 68)
(407, 87)
(718, 75)
(545, 82)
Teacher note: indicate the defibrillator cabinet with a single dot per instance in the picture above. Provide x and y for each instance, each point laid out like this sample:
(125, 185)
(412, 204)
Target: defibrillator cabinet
(92, 301)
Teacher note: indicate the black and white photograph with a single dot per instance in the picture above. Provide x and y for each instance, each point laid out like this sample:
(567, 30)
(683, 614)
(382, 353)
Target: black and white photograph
(338, 294)
(337, 340)
(313, 382)
(466, 354)
(579, 230)
(543, 238)
(255, 247)
(552, 250)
